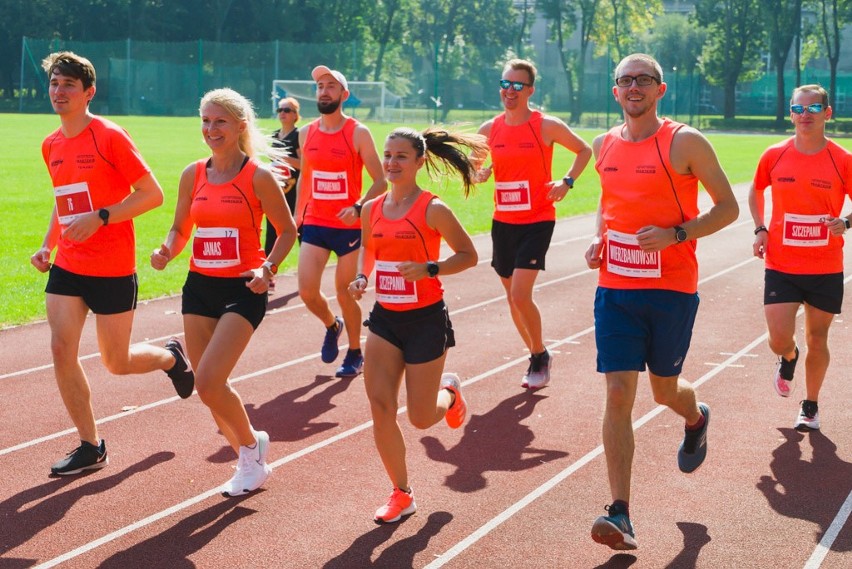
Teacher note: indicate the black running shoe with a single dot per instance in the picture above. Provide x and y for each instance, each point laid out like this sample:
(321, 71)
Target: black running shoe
(85, 457)
(693, 449)
(181, 373)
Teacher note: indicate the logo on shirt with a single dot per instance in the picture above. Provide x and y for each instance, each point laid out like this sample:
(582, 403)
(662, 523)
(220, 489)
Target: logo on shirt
(611, 169)
(821, 184)
(646, 169)
(338, 152)
(526, 145)
(405, 235)
(86, 161)
(232, 199)
(56, 163)
(787, 179)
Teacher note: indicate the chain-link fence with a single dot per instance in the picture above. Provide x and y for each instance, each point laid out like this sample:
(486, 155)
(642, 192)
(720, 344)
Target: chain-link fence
(150, 78)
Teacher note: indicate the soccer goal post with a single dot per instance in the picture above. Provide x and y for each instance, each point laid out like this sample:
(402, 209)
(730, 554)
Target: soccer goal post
(368, 100)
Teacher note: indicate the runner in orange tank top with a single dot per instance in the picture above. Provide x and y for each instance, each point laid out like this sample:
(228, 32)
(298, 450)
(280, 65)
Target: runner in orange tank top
(100, 184)
(521, 143)
(224, 298)
(646, 300)
(810, 177)
(335, 148)
(409, 326)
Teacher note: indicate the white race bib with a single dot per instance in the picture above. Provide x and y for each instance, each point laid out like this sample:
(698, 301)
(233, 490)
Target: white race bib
(625, 258)
(216, 247)
(329, 185)
(72, 201)
(391, 287)
(513, 196)
(805, 230)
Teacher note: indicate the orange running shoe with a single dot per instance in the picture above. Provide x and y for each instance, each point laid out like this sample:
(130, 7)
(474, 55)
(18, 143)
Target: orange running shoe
(399, 504)
(458, 411)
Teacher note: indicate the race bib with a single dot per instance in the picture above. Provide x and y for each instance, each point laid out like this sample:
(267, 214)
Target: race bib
(625, 258)
(216, 247)
(72, 201)
(391, 287)
(512, 196)
(805, 230)
(329, 185)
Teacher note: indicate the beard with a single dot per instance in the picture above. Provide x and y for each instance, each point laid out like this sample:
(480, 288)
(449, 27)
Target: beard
(329, 107)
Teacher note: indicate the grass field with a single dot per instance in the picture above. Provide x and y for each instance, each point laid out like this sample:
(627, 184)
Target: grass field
(169, 144)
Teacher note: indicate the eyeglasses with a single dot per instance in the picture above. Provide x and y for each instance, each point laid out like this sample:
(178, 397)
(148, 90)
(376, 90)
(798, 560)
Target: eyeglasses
(516, 85)
(285, 110)
(812, 109)
(641, 80)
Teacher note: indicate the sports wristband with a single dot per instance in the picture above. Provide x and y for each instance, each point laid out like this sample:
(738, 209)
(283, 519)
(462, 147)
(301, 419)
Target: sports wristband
(357, 207)
(362, 276)
(760, 228)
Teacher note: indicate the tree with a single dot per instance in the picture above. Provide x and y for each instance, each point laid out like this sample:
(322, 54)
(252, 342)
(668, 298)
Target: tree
(833, 15)
(732, 52)
(782, 19)
(620, 23)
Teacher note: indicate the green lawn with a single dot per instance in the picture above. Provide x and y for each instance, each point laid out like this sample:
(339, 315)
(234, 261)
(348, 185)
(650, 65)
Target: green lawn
(170, 143)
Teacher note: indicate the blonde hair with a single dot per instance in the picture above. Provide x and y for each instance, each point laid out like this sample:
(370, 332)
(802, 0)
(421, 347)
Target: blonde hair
(812, 88)
(293, 104)
(252, 141)
(644, 58)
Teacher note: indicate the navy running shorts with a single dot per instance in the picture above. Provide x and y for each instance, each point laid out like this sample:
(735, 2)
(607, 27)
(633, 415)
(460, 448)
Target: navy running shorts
(645, 326)
(341, 241)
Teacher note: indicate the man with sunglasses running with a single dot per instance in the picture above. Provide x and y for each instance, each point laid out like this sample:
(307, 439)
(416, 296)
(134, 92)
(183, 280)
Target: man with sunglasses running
(646, 301)
(521, 141)
(803, 244)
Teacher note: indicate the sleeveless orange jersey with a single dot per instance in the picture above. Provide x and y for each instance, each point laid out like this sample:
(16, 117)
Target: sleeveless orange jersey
(406, 239)
(806, 188)
(331, 175)
(228, 222)
(640, 187)
(90, 171)
(522, 169)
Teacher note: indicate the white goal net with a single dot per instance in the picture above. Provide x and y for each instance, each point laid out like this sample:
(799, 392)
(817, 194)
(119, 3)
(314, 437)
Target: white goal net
(368, 100)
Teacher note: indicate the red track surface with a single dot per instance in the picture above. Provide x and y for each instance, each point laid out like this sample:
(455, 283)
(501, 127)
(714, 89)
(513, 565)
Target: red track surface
(518, 486)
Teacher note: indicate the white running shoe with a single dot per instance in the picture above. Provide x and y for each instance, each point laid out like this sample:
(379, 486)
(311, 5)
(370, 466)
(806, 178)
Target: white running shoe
(808, 419)
(252, 470)
(539, 374)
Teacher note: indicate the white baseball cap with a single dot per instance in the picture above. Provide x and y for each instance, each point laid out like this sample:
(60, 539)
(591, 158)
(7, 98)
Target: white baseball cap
(321, 70)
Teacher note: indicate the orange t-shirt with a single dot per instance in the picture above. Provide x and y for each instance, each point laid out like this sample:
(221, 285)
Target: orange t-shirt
(640, 187)
(408, 238)
(227, 218)
(90, 171)
(330, 179)
(522, 169)
(805, 189)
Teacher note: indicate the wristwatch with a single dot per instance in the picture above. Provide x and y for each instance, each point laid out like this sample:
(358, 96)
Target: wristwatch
(847, 223)
(358, 207)
(271, 267)
(432, 268)
(103, 213)
(680, 234)
(569, 181)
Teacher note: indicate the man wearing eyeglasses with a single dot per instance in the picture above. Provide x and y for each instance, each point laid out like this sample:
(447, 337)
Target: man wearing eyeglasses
(803, 245)
(521, 141)
(646, 301)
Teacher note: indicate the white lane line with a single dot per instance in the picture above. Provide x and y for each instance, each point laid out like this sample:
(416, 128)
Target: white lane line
(824, 545)
(366, 425)
(518, 506)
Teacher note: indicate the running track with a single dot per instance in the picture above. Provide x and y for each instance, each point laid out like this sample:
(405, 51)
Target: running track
(518, 486)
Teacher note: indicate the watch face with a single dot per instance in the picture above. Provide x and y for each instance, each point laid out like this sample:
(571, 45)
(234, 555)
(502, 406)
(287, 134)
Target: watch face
(680, 235)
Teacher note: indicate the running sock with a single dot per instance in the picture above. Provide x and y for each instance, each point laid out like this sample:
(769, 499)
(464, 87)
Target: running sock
(698, 424)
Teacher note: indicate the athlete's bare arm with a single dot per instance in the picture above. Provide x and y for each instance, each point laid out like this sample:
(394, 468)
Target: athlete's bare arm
(41, 258)
(181, 229)
(555, 131)
(358, 287)
(365, 146)
(756, 205)
(272, 202)
(478, 159)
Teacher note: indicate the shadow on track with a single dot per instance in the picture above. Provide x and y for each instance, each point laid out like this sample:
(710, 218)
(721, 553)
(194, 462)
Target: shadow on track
(495, 441)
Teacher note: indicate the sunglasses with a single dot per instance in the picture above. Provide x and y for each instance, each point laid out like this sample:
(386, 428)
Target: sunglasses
(812, 109)
(516, 85)
(641, 80)
(285, 110)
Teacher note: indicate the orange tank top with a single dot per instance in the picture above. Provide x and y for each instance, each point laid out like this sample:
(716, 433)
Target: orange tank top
(331, 175)
(522, 168)
(92, 170)
(227, 220)
(408, 238)
(806, 188)
(640, 187)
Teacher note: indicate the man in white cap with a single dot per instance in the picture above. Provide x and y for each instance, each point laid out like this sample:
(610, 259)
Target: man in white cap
(335, 149)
